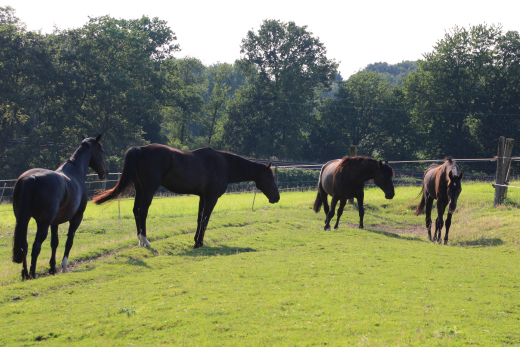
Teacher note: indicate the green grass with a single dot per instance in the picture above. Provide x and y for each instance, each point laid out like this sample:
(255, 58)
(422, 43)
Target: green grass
(272, 276)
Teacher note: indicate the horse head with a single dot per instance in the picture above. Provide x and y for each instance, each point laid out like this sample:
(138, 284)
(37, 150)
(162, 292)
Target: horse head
(383, 179)
(454, 189)
(267, 184)
(97, 163)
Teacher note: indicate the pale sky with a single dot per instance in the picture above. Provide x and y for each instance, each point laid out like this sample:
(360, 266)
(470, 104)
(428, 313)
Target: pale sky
(355, 33)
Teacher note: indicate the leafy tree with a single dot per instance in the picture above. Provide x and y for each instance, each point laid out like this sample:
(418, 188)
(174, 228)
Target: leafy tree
(220, 78)
(365, 112)
(182, 114)
(464, 93)
(102, 78)
(286, 70)
(25, 71)
(394, 73)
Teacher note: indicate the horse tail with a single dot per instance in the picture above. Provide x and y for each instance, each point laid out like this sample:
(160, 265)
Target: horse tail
(23, 189)
(318, 202)
(125, 181)
(420, 207)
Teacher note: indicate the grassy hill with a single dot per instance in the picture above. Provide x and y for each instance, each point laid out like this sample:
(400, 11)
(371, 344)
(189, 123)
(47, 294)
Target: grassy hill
(272, 276)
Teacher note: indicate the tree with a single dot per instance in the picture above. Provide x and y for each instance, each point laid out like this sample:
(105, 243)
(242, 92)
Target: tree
(182, 113)
(394, 73)
(101, 78)
(464, 93)
(365, 112)
(286, 70)
(25, 71)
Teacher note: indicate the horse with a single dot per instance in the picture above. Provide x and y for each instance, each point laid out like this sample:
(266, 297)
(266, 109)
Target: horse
(345, 179)
(53, 198)
(205, 172)
(441, 183)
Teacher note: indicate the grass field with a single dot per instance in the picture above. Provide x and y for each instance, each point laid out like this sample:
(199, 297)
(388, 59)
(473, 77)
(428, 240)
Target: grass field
(272, 276)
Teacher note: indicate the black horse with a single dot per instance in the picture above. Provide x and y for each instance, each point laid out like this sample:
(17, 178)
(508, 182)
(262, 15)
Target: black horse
(345, 179)
(204, 172)
(53, 198)
(441, 183)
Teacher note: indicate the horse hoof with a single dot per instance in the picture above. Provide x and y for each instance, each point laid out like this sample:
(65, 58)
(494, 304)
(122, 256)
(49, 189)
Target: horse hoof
(25, 275)
(335, 227)
(326, 228)
(198, 245)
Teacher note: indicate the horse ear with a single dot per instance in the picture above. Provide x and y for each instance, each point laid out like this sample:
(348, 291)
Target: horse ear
(450, 175)
(269, 165)
(386, 162)
(98, 137)
(83, 137)
(461, 175)
(380, 163)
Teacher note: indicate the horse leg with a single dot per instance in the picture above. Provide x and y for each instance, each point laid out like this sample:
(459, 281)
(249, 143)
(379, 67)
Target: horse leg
(324, 196)
(138, 202)
(73, 226)
(448, 224)
(342, 203)
(209, 205)
(145, 188)
(141, 205)
(54, 245)
(428, 211)
(41, 235)
(199, 221)
(361, 209)
(440, 221)
(331, 213)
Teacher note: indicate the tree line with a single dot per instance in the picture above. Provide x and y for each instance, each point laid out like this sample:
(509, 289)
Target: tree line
(283, 98)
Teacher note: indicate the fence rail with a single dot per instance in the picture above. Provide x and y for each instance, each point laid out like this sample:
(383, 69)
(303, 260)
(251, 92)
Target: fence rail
(403, 178)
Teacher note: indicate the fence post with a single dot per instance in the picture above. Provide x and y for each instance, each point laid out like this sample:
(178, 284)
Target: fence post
(505, 147)
(3, 190)
(353, 153)
(118, 200)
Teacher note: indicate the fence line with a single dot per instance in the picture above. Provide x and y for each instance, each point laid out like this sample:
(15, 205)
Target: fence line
(307, 166)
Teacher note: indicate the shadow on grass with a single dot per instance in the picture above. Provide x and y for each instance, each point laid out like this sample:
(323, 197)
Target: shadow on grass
(396, 236)
(218, 250)
(481, 243)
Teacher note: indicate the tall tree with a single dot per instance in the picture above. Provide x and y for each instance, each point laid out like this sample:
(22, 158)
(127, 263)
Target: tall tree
(182, 112)
(366, 113)
(286, 69)
(464, 93)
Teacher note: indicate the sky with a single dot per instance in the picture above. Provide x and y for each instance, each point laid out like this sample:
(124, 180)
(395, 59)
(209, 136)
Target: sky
(355, 33)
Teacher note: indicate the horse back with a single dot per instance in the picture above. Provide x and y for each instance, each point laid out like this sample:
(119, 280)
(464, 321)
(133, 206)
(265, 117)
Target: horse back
(327, 175)
(54, 198)
(435, 182)
(184, 172)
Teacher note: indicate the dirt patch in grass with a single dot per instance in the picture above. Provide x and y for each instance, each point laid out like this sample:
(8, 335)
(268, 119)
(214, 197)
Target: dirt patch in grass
(403, 229)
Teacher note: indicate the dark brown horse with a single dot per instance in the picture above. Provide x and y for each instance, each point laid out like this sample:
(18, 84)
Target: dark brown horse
(441, 183)
(53, 198)
(345, 179)
(204, 172)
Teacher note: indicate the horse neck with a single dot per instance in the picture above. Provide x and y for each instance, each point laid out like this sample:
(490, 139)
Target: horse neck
(78, 163)
(241, 170)
(368, 170)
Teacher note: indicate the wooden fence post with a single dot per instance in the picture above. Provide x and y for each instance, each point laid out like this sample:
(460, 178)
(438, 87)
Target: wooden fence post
(505, 147)
(118, 200)
(353, 153)
(3, 190)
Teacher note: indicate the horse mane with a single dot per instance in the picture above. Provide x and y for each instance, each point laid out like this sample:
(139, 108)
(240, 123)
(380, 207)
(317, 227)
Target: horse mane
(79, 151)
(360, 159)
(241, 164)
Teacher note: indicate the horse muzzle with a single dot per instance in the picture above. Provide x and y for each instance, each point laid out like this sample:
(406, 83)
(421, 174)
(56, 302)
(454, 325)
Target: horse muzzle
(389, 196)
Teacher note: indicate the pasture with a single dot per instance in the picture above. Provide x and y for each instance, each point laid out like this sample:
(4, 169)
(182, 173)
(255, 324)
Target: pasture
(272, 276)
